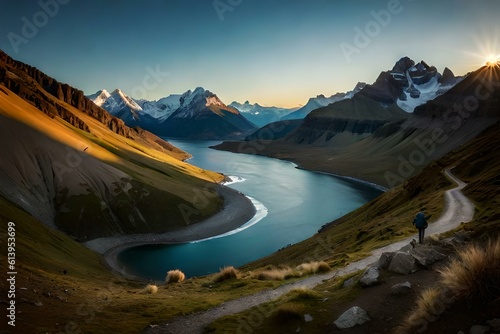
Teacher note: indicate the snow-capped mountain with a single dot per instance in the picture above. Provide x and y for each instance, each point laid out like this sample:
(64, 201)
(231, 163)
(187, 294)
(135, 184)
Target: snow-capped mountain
(162, 108)
(196, 114)
(322, 101)
(420, 82)
(260, 115)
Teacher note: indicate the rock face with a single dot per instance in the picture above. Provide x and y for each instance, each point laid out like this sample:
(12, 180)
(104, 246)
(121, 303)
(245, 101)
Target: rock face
(352, 317)
(370, 277)
(14, 75)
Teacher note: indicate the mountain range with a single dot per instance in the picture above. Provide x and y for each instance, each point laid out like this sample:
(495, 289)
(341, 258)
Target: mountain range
(260, 115)
(197, 114)
(370, 136)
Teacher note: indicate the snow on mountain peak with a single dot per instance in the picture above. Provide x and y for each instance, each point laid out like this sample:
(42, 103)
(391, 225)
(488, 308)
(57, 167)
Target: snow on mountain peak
(214, 100)
(129, 102)
(100, 97)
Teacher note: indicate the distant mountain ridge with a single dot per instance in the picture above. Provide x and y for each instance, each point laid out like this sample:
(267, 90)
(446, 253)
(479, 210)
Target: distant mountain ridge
(322, 101)
(197, 114)
(260, 115)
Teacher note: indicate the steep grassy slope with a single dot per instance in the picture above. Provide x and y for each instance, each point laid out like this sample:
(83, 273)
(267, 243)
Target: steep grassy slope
(74, 165)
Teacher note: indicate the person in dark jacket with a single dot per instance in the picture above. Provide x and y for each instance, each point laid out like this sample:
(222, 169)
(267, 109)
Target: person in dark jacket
(420, 222)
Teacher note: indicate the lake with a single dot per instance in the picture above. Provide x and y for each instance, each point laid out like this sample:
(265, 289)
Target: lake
(293, 205)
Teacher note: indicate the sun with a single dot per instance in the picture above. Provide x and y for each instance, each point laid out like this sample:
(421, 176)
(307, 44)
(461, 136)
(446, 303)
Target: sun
(492, 60)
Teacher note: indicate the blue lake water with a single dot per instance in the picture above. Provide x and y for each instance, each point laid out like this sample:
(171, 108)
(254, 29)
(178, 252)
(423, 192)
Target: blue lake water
(298, 203)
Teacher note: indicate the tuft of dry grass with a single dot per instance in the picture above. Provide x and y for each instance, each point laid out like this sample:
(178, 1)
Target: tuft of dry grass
(225, 274)
(475, 273)
(273, 274)
(302, 293)
(150, 289)
(175, 276)
(313, 267)
(471, 277)
(290, 311)
(426, 306)
(284, 272)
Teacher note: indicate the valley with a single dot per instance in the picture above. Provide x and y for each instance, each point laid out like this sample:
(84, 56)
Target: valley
(184, 214)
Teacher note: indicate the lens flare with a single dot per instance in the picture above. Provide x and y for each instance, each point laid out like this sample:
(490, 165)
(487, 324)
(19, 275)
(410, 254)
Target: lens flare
(492, 60)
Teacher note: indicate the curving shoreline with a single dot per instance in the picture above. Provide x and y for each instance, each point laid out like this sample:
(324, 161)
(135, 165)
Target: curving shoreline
(236, 212)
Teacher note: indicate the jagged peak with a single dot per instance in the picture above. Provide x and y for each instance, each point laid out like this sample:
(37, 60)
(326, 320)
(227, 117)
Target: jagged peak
(403, 64)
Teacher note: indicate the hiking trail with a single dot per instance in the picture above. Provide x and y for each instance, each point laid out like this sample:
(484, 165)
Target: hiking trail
(458, 209)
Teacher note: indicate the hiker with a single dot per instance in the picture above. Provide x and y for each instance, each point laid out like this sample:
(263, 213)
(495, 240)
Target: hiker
(420, 222)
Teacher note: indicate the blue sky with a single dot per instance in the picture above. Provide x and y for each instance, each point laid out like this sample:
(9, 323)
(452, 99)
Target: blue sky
(271, 52)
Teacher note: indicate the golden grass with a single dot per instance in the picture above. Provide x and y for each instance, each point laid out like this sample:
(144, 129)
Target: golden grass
(290, 310)
(281, 273)
(426, 306)
(150, 289)
(175, 276)
(302, 293)
(226, 273)
(274, 274)
(313, 267)
(475, 273)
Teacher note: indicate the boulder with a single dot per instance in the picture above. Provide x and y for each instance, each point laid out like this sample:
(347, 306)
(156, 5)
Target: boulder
(352, 317)
(426, 255)
(385, 260)
(370, 277)
(401, 289)
(403, 263)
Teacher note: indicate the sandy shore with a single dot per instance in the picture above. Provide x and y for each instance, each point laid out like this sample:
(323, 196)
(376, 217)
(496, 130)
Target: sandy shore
(237, 211)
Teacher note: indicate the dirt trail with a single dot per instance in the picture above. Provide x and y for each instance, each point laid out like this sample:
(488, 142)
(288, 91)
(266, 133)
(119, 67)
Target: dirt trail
(458, 209)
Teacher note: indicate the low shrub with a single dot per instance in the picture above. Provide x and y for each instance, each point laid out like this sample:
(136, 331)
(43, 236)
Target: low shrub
(475, 273)
(150, 289)
(426, 306)
(313, 267)
(226, 273)
(272, 275)
(175, 276)
(302, 293)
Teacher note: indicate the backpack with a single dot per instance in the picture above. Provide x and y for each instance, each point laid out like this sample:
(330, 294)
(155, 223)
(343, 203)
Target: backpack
(420, 221)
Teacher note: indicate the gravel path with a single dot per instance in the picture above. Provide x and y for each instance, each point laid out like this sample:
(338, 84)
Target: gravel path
(458, 209)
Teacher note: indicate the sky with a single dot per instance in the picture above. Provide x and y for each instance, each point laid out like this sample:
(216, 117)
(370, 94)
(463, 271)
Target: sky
(277, 53)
